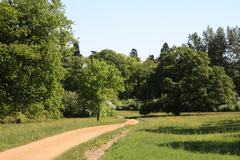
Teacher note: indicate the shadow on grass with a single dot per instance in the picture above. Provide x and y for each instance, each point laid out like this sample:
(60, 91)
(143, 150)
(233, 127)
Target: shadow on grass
(147, 116)
(220, 147)
(230, 148)
(171, 115)
(219, 127)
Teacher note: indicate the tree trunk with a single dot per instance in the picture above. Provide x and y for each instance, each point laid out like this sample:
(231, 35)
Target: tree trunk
(98, 116)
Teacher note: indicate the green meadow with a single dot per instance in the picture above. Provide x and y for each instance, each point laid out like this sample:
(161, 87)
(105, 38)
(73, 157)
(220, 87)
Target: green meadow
(197, 136)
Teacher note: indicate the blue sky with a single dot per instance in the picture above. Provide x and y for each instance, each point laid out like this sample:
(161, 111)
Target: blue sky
(145, 24)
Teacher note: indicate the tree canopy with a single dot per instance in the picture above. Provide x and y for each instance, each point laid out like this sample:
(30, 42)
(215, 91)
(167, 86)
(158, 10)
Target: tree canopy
(97, 83)
(34, 37)
(185, 81)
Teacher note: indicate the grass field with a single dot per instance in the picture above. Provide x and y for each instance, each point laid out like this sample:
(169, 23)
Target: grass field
(12, 135)
(200, 136)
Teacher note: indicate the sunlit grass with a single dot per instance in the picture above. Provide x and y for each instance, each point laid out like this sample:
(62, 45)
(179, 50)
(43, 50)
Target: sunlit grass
(198, 136)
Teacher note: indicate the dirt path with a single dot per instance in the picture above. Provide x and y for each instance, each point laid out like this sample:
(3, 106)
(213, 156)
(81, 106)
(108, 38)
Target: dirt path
(49, 148)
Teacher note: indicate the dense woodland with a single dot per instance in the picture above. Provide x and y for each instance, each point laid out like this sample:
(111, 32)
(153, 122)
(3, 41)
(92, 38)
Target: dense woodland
(43, 75)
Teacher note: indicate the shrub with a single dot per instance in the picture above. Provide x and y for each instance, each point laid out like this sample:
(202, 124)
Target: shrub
(16, 118)
(130, 104)
(70, 102)
(21, 118)
(106, 110)
(36, 111)
(9, 119)
(151, 106)
(4, 110)
(226, 108)
(73, 106)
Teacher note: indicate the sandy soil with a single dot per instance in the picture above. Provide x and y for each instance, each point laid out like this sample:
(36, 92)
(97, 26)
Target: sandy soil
(51, 147)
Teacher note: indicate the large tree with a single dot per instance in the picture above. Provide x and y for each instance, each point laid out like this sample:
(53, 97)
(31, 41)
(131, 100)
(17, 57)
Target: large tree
(132, 70)
(98, 82)
(185, 81)
(34, 37)
(223, 48)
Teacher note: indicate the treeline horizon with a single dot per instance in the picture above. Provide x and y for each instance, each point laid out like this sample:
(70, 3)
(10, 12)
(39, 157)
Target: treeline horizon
(43, 74)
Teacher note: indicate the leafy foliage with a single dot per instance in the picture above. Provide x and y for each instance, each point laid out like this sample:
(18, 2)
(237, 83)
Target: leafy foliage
(223, 48)
(34, 36)
(132, 70)
(97, 83)
(185, 81)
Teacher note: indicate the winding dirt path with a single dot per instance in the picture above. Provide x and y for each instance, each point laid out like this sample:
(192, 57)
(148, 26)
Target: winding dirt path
(49, 148)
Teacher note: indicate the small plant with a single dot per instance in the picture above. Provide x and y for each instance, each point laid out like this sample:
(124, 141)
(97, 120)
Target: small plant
(21, 118)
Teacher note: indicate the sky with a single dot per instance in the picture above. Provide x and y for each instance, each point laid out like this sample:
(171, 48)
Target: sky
(121, 25)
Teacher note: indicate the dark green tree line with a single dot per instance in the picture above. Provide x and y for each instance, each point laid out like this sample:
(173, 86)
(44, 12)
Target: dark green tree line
(184, 81)
(223, 48)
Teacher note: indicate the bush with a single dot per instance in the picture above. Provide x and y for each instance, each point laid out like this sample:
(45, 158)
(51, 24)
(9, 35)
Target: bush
(9, 119)
(225, 108)
(151, 107)
(5, 110)
(36, 111)
(130, 104)
(70, 102)
(73, 107)
(21, 118)
(16, 118)
(106, 110)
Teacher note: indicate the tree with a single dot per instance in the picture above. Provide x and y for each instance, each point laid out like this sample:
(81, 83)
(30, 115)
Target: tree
(34, 36)
(185, 81)
(223, 48)
(195, 42)
(72, 65)
(97, 83)
(76, 49)
(145, 70)
(164, 48)
(233, 46)
(151, 58)
(134, 54)
(113, 58)
(218, 49)
(130, 68)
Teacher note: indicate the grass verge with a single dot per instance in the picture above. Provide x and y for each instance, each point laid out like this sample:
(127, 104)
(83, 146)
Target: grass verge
(12, 135)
